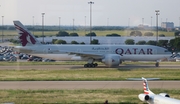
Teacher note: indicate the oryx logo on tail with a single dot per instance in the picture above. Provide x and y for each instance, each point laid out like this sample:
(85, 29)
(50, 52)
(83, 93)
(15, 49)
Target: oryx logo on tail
(25, 36)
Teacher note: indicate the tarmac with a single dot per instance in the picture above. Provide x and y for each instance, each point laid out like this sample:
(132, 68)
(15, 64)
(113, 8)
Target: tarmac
(75, 85)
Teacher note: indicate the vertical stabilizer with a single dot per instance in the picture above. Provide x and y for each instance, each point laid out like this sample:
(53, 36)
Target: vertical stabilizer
(25, 37)
(146, 87)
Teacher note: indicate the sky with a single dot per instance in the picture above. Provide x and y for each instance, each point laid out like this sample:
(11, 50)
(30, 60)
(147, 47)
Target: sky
(104, 12)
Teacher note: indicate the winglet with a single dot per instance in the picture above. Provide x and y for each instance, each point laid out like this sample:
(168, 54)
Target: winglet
(25, 37)
(146, 87)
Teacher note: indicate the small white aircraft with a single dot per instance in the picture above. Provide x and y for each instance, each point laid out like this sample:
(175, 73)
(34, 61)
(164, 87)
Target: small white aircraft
(149, 97)
(110, 55)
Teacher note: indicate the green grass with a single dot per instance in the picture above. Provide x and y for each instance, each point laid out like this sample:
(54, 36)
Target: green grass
(83, 74)
(119, 96)
(87, 74)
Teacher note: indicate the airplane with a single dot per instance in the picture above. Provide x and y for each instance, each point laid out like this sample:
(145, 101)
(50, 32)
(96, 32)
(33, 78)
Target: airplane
(149, 97)
(110, 55)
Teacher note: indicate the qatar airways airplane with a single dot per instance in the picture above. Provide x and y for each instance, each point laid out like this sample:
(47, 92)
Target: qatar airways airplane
(110, 55)
(149, 97)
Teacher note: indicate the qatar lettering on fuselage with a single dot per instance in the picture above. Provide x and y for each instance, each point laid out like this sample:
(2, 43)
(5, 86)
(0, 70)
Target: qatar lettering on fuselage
(135, 51)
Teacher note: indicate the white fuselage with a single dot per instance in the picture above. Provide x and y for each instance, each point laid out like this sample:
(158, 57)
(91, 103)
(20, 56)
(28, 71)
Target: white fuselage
(158, 99)
(71, 52)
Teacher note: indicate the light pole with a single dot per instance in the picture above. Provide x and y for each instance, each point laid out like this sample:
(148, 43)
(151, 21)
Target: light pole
(151, 23)
(107, 22)
(179, 22)
(128, 22)
(2, 28)
(90, 18)
(142, 22)
(85, 24)
(43, 27)
(157, 13)
(73, 25)
(167, 25)
(33, 25)
(59, 23)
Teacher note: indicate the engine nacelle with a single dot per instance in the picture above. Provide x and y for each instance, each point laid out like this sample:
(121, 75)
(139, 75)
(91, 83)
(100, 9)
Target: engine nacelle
(144, 97)
(111, 60)
(164, 94)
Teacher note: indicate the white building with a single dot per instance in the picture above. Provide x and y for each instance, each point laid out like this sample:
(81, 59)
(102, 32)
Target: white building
(167, 25)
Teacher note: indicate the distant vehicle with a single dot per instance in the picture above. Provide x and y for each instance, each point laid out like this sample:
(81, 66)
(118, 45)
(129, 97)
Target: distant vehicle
(175, 57)
(110, 55)
(149, 97)
(47, 60)
(1, 58)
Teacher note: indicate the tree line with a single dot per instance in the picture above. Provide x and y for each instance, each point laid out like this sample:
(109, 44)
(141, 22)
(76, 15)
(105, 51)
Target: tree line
(132, 33)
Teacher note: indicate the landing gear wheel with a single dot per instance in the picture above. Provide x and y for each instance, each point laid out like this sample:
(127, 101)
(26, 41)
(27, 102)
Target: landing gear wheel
(95, 64)
(157, 64)
(85, 65)
(90, 65)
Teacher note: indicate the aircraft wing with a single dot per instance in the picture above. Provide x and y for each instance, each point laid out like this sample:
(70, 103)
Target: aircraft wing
(83, 54)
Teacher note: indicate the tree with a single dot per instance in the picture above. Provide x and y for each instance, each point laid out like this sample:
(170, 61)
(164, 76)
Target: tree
(42, 36)
(82, 43)
(62, 33)
(141, 42)
(73, 34)
(113, 34)
(95, 41)
(136, 33)
(171, 42)
(54, 40)
(74, 42)
(91, 34)
(177, 43)
(60, 42)
(177, 33)
(163, 43)
(161, 35)
(129, 42)
(36, 36)
(151, 42)
(14, 41)
(148, 34)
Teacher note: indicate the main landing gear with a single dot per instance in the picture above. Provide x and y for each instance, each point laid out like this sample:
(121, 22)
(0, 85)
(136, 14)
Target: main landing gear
(90, 65)
(157, 64)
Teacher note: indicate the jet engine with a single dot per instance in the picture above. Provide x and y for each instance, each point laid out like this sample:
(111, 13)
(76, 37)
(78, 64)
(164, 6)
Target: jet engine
(111, 60)
(144, 97)
(164, 94)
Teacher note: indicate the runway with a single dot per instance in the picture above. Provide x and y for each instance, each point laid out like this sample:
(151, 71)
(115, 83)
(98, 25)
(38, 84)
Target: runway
(75, 85)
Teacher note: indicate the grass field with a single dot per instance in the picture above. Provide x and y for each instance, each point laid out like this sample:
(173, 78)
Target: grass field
(98, 96)
(87, 74)
(84, 74)
(85, 96)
